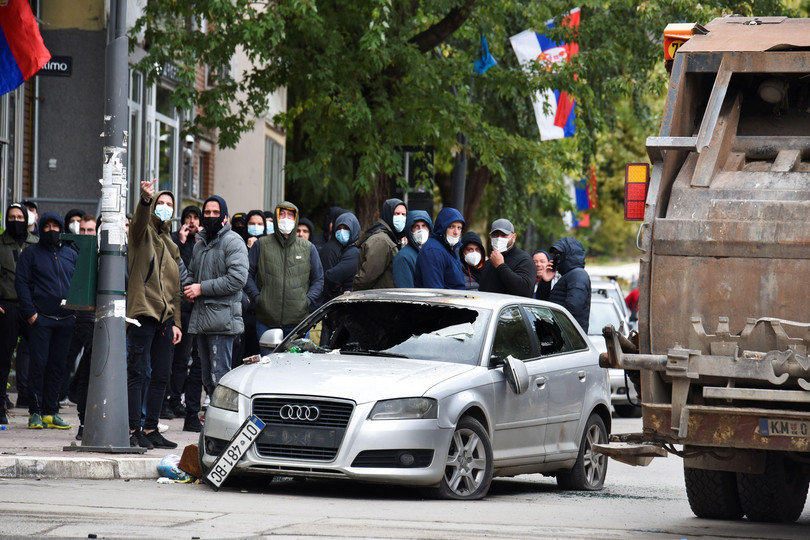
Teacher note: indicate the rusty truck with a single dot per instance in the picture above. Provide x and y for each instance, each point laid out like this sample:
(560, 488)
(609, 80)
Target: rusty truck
(721, 356)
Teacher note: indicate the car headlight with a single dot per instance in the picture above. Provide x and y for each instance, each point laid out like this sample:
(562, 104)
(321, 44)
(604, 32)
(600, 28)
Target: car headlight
(404, 409)
(225, 398)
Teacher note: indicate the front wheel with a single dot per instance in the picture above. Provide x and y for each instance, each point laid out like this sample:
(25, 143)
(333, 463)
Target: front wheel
(590, 468)
(468, 469)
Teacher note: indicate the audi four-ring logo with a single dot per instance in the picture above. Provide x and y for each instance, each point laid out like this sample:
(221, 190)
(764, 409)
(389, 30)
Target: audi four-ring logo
(299, 412)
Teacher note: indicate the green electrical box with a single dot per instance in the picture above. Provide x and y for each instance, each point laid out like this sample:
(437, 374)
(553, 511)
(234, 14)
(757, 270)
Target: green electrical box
(82, 294)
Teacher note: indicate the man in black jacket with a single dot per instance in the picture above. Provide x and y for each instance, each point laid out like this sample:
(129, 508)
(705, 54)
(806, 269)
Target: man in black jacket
(509, 269)
(573, 290)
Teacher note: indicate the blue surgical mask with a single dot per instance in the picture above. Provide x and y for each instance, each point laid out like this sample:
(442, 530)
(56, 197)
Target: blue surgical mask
(342, 236)
(164, 212)
(255, 230)
(270, 228)
(399, 223)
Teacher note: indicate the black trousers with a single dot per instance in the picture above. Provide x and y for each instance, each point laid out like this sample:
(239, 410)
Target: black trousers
(151, 342)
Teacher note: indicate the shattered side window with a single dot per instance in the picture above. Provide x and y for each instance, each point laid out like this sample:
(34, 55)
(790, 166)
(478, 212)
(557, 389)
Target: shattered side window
(402, 329)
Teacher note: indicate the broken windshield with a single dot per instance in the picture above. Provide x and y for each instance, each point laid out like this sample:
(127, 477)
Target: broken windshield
(395, 329)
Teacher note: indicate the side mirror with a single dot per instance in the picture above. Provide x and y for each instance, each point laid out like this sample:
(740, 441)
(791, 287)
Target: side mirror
(271, 338)
(516, 374)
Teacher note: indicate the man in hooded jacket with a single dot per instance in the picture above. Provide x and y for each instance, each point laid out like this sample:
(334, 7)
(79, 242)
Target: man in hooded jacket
(285, 276)
(472, 259)
(378, 247)
(153, 300)
(509, 269)
(437, 266)
(15, 239)
(417, 232)
(338, 279)
(44, 271)
(218, 273)
(573, 290)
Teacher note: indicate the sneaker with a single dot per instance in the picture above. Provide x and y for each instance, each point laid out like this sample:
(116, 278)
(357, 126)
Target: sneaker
(178, 410)
(158, 440)
(64, 403)
(138, 438)
(163, 428)
(80, 433)
(53, 421)
(35, 422)
(166, 413)
(192, 423)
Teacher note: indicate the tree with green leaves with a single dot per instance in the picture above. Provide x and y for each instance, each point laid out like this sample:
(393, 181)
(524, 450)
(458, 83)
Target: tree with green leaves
(365, 79)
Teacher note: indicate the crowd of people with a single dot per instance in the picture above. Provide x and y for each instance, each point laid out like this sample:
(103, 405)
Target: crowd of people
(199, 298)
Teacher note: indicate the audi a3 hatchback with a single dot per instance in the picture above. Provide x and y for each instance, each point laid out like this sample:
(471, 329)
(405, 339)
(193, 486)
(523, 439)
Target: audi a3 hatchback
(442, 389)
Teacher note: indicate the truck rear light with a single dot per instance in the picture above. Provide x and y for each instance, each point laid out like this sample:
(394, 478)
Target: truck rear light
(636, 180)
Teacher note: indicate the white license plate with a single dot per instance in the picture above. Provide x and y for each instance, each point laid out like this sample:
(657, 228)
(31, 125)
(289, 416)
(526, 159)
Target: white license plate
(231, 455)
(771, 427)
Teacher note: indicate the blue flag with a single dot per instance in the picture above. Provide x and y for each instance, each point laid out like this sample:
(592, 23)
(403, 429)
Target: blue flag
(484, 60)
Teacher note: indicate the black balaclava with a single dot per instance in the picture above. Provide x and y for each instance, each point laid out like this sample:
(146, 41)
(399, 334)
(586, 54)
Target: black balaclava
(213, 225)
(18, 229)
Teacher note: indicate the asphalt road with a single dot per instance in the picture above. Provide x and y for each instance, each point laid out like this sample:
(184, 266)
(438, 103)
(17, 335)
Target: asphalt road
(647, 502)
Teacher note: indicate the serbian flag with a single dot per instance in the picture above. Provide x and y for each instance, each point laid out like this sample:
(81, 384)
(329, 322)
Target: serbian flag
(22, 51)
(553, 109)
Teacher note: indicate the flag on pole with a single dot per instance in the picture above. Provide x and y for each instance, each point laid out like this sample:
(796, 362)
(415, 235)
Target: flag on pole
(22, 51)
(531, 46)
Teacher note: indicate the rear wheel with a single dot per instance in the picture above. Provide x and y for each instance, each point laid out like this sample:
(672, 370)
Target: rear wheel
(712, 494)
(590, 469)
(468, 469)
(777, 495)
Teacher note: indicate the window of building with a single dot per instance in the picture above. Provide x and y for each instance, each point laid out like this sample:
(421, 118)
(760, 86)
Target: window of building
(273, 173)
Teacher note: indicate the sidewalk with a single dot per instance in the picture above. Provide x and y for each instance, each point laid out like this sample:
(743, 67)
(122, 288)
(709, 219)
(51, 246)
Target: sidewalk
(38, 453)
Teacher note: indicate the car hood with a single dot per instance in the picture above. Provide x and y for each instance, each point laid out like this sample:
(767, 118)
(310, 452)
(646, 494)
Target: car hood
(358, 378)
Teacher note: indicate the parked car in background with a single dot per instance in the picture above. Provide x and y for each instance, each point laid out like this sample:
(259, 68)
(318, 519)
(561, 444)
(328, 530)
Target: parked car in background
(442, 389)
(602, 287)
(605, 312)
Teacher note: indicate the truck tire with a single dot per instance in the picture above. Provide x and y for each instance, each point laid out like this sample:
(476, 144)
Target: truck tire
(712, 494)
(777, 495)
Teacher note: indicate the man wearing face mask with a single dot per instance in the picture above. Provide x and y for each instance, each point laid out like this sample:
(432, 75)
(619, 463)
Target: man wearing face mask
(73, 220)
(417, 232)
(378, 247)
(218, 271)
(339, 278)
(471, 255)
(509, 269)
(42, 282)
(437, 266)
(15, 239)
(33, 217)
(285, 276)
(573, 290)
(153, 299)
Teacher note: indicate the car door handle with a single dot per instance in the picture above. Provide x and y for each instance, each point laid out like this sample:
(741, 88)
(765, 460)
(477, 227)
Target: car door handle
(540, 382)
(581, 374)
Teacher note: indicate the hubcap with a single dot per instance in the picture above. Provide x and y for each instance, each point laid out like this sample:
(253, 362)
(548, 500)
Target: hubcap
(466, 463)
(594, 462)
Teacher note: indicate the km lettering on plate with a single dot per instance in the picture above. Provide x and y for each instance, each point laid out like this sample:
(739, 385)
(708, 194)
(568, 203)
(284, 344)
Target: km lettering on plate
(769, 427)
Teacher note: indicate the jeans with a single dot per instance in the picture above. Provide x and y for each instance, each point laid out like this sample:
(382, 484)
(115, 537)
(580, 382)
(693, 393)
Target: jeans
(215, 358)
(150, 343)
(50, 339)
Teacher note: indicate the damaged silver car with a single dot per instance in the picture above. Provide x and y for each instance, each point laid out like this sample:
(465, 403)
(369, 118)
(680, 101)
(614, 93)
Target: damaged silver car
(442, 389)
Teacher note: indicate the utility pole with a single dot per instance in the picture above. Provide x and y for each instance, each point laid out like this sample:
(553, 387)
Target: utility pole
(106, 419)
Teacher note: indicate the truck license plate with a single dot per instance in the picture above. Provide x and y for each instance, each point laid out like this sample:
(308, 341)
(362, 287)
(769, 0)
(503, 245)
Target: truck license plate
(770, 427)
(232, 453)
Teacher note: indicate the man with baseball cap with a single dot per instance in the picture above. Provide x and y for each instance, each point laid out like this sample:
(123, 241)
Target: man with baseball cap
(509, 270)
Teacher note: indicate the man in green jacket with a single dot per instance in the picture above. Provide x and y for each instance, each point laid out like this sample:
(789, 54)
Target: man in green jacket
(285, 276)
(378, 247)
(153, 300)
(15, 238)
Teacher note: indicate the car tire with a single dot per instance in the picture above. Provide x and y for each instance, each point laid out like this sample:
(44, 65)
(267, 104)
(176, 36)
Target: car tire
(712, 494)
(778, 494)
(468, 468)
(590, 468)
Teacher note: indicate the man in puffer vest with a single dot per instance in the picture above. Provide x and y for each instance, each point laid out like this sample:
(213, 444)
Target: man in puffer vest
(285, 276)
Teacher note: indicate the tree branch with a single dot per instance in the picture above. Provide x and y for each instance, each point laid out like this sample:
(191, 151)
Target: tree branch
(443, 29)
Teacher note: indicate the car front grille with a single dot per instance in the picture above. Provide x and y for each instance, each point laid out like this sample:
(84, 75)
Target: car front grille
(317, 439)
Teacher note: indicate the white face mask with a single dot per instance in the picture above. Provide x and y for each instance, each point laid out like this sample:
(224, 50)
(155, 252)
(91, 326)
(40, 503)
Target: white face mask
(451, 240)
(420, 236)
(399, 222)
(73, 227)
(269, 228)
(32, 218)
(500, 244)
(164, 212)
(473, 258)
(286, 225)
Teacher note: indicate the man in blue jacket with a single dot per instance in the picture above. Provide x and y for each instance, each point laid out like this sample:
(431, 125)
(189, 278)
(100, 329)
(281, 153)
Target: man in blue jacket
(417, 232)
(43, 279)
(437, 266)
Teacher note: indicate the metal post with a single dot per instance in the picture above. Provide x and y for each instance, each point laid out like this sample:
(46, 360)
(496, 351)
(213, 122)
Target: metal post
(458, 178)
(106, 419)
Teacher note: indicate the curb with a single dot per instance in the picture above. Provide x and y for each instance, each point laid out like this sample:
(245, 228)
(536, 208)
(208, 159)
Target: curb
(79, 468)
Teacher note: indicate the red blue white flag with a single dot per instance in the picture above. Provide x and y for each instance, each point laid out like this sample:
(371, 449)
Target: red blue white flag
(22, 51)
(553, 109)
